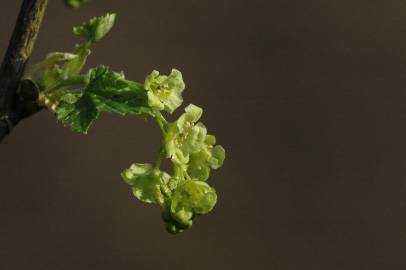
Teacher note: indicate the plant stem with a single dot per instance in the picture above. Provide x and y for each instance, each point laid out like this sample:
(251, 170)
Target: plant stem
(162, 155)
(161, 123)
(13, 107)
(160, 119)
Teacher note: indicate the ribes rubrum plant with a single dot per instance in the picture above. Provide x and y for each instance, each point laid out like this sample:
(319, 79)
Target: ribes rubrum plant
(78, 98)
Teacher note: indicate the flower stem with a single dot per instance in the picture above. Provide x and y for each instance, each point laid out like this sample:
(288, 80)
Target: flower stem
(160, 119)
(162, 125)
(162, 155)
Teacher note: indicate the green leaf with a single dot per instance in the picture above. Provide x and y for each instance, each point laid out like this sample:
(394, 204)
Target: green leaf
(113, 93)
(70, 97)
(106, 91)
(96, 28)
(79, 114)
(75, 3)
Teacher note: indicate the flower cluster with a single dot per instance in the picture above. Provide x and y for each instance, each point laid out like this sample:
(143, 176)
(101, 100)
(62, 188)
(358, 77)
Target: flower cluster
(193, 153)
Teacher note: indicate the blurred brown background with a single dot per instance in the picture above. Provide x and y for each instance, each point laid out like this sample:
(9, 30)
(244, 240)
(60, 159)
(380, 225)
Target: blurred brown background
(308, 98)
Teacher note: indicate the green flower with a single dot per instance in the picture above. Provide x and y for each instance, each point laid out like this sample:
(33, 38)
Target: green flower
(185, 136)
(209, 157)
(189, 145)
(165, 92)
(191, 198)
(146, 182)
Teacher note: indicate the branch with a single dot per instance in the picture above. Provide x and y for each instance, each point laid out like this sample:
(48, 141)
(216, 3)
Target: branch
(16, 104)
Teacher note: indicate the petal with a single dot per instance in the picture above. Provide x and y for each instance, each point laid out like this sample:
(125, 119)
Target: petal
(218, 155)
(210, 140)
(154, 101)
(135, 171)
(192, 197)
(146, 182)
(198, 165)
(173, 101)
(193, 113)
(147, 189)
(194, 138)
(150, 79)
(176, 81)
(201, 172)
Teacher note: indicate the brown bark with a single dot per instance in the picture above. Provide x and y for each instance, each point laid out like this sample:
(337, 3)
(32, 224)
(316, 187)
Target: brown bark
(17, 100)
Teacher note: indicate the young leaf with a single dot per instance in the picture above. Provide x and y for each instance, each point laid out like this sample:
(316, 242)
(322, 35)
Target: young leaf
(74, 66)
(106, 91)
(113, 93)
(47, 73)
(78, 115)
(96, 28)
